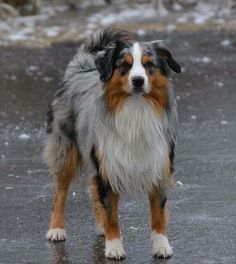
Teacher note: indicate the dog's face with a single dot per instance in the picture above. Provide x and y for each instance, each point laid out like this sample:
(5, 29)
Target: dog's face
(136, 69)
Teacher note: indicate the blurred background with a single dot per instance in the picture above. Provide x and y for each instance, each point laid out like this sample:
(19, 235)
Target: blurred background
(37, 40)
(38, 22)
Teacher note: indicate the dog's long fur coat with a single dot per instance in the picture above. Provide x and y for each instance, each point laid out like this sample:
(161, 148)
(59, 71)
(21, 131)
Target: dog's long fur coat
(122, 137)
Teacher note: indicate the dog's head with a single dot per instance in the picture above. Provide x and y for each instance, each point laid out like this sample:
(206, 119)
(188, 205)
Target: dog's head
(128, 67)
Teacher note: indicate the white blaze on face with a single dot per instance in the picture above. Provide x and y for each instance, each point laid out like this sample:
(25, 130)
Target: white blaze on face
(137, 67)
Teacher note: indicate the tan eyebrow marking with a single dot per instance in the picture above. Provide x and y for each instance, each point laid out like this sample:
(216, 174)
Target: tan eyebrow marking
(128, 58)
(146, 59)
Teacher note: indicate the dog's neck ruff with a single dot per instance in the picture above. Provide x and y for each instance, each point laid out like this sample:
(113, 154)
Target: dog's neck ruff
(134, 147)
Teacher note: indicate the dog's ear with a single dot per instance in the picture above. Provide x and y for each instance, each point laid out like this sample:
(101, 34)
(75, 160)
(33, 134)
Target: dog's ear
(105, 61)
(165, 57)
(105, 46)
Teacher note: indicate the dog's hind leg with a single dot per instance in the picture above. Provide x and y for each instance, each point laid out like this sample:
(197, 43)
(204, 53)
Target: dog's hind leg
(105, 208)
(63, 159)
(159, 217)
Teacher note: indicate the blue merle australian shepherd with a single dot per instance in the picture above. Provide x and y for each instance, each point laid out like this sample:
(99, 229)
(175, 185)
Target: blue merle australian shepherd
(115, 119)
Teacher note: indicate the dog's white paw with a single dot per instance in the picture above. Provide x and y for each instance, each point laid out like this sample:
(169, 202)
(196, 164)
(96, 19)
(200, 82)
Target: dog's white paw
(161, 246)
(56, 234)
(114, 249)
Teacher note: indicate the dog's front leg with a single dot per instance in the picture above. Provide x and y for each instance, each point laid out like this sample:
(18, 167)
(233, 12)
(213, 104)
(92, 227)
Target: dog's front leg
(159, 215)
(105, 208)
(114, 248)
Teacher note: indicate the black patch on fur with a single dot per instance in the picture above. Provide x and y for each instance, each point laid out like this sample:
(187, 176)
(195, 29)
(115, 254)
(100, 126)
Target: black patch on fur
(163, 202)
(124, 67)
(105, 45)
(172, 156)
(102, 187)
(107, 37)
(166, 56)
(85, 71)
(49, 119)
(67, 126)
(106, 63)
(60, 91)
(163, 66)
(94, 159)
(102, 190)
(50, 114)
(164, 59)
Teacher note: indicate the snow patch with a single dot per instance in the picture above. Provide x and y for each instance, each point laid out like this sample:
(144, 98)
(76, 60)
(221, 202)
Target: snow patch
(179, 183)
(24, 136)
(224, 122)
(13, 77)
(177, 7)
(20, 35)
(33, 68)
(203, 13)
(62, 8)
(133, 228)
(47, 79)
(205, 60)
(9, 188)
(170, 27)
(52, 31)
(200, 19)
(124, 15)
(141, 32)
(225, 43)
(219, 84)
(182, 19)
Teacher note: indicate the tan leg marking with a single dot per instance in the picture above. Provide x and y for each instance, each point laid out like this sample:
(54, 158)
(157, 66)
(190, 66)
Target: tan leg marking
(62, 181)
(98, 208)
(159, 218)
(106, 213)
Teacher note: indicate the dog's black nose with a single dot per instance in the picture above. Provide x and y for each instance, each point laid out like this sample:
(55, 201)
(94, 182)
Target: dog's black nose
(138, 81)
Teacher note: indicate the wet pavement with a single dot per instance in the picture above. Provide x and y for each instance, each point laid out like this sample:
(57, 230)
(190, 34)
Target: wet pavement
(202, 226)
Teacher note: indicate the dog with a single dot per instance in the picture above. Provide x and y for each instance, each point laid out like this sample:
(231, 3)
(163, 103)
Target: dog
(115, 119)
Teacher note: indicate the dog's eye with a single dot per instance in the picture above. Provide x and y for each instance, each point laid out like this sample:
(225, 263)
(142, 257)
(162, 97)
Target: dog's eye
(124, 67)
(149, 65)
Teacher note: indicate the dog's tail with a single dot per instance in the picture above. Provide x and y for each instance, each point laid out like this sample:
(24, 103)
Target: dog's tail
(107, 38)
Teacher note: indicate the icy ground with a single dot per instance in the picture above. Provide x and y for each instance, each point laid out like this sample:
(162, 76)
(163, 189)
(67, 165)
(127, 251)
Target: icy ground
(203, 202)
(60, 24)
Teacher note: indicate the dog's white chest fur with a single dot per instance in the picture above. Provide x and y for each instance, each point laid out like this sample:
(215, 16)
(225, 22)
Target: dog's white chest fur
(134, 147)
